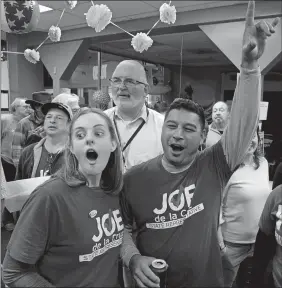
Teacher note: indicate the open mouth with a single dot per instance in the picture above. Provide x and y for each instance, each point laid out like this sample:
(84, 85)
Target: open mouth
(91, 155)
(176, 147)
(124, 96)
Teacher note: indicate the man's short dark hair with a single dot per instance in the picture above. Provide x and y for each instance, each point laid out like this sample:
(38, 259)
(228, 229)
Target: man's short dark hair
(188, 105)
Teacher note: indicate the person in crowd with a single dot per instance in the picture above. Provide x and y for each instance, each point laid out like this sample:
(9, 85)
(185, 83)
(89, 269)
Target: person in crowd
(28, 124)
(71, 100)
(71, 227)
(19, 110)
(46, 157)
(3, 187)
(268, 246)
(157, 105)
(138, 127)
(220, 117)
(277, 178)
(163, 107)
(244, 197)
(175, 199)
(147, 103)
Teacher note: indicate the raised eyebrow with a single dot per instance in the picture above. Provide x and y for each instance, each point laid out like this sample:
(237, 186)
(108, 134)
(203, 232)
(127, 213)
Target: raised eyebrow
(99, 125)
(171, 121)
(79, 128)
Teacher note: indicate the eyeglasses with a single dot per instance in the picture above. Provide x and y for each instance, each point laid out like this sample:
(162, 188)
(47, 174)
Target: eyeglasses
(128, 82)
(24, 106)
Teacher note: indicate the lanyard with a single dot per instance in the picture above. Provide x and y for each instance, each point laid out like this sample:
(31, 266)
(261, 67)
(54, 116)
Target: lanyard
(132, 136)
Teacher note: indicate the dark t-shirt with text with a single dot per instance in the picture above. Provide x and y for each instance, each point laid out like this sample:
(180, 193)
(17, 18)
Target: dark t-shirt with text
(271, 224)
(72, 234)
(179, 229)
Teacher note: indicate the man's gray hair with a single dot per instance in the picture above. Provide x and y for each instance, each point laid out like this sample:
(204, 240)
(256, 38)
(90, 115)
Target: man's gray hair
(15, 104)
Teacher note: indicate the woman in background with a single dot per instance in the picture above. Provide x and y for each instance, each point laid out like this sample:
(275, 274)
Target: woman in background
(244, 198)
(70, 228)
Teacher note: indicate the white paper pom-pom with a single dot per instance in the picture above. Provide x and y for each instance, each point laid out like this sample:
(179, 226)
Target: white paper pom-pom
(98, 17)
(167, 13)
(54, 33)
(141, 42)
(32, 56)
(71, 4)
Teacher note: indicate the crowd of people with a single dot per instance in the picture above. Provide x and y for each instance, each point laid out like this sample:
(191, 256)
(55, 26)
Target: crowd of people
(130, 185)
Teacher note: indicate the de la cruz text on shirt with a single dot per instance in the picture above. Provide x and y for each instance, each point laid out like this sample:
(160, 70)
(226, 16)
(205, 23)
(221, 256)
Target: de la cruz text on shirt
(107, 236)
(173, 214)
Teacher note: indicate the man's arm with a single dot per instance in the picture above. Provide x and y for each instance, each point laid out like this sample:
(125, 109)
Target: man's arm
(244, 117)
(138, 265)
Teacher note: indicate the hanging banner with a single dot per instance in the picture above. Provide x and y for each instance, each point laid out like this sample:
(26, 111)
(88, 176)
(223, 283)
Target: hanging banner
(103, 72)
(263, 110)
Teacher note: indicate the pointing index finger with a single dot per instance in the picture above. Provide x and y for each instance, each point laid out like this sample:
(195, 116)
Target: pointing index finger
(250, 14)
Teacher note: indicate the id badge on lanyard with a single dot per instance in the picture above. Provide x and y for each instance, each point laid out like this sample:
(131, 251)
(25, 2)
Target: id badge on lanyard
(130, 139)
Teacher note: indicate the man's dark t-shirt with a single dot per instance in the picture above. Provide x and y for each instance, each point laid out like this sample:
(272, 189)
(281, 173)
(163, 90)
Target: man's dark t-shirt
(49, 162)
(180, 233)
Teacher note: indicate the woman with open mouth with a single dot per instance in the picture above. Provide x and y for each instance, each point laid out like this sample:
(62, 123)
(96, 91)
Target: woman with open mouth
(70, 228)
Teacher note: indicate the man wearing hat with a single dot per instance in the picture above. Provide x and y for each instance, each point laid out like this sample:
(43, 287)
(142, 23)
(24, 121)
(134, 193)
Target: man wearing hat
(27, 125)
(46, 157)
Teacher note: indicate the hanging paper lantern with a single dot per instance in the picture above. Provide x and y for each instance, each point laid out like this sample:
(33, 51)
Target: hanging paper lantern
(19, 16)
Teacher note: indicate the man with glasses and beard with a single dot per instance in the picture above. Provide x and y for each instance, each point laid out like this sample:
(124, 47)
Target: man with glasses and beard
(137, 126)
(175, 199)
(220, 116)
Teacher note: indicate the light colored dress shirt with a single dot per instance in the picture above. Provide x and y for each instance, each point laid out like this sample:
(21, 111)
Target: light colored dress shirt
(147, 143)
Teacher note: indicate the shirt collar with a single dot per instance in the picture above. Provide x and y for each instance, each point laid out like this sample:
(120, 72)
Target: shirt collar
(143, 114)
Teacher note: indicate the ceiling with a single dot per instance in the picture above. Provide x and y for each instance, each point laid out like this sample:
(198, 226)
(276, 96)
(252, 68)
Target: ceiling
(197, 50)
(122, 10)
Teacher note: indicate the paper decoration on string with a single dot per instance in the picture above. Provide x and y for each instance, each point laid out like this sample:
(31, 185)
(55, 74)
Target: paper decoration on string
(100, 16)
(23, 16)
(19, 16)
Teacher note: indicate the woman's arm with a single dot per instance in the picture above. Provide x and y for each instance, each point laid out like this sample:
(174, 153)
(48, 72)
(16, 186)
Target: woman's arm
(18, 274)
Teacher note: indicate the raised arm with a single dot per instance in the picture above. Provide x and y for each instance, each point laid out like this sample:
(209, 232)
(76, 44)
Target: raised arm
(245, 107)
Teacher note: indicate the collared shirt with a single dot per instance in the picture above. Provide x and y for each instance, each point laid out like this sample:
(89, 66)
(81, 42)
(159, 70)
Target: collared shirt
(147, 143)
(213, 136)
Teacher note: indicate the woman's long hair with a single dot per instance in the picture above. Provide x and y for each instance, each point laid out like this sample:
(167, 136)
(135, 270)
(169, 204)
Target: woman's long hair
(111, 179)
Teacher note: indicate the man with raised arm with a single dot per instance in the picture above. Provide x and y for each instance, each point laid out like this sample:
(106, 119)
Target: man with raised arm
(174, 199)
